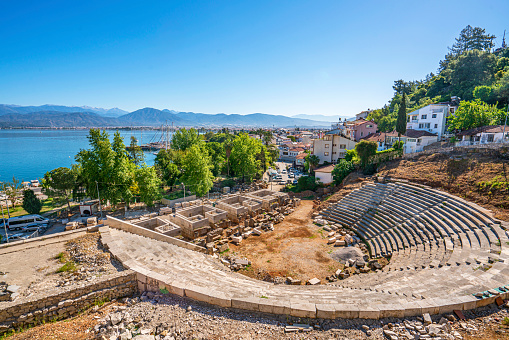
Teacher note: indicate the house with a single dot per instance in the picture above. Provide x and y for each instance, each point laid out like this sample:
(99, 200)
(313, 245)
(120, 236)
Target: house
(363, 114)
(289, 151)
(483, 135)
(360, 128)
(381, 139)
(415, 140)
(300, 159)
(433, 118)
(332, 146)
(324, 174)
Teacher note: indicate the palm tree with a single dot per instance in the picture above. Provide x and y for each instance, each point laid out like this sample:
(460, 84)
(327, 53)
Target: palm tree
(312, 161)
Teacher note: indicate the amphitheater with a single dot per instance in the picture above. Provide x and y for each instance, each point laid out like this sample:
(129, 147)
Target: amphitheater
(445, 254)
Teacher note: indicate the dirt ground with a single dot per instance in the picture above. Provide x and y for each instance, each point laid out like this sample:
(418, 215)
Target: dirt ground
(296, 248)
(477, 178)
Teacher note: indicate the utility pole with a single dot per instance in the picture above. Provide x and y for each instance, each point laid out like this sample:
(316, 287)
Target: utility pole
(507, 114)
(184, 190)
(100, 206)
(5, 229)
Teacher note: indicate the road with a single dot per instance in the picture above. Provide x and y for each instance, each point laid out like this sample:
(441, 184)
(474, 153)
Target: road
(281, 166)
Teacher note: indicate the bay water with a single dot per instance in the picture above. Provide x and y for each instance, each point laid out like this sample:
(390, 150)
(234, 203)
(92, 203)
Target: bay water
(29, 154)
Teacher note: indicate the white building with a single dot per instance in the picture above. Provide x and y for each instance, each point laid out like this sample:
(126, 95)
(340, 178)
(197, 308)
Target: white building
(483, 135)
(332, 146)
(432, 118)
(415, 140)
(324, 174)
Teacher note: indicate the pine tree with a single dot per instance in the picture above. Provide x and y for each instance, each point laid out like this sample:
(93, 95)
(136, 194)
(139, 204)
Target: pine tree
(401, 122)
(31, 203)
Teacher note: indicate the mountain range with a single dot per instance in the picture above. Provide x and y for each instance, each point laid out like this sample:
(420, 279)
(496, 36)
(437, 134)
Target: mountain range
(85, 116)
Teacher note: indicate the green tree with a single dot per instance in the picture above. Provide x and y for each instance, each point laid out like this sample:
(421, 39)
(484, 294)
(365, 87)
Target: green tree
(106, 165)
(292, 138)
(311, 162)
(60, 182)
(484, 93)
(351, 155)
(471, 69)
(166, 169)
(401, 120)
(12, 190)
(307, 183)
(342, 169)
(472, 114)
(196, 170)
(184, 138)
(243, 156)
(217, 155)
(135, 153)
(472, 38)
(31, 203)
(149, 185)
(365, 149)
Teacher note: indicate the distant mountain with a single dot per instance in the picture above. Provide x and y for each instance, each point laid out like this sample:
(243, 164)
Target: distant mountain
(85, 116)
(321, 118)
(154, 117)
(115, 112)
(55, 119)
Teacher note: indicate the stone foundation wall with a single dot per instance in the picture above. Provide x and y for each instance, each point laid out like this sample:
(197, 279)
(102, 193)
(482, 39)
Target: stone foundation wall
(68, 303)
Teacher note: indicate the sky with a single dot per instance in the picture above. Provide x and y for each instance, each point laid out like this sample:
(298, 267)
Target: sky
(277, 57)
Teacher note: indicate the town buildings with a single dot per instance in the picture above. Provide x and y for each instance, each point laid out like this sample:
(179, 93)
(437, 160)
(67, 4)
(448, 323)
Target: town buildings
(332, 146)
(483, 135)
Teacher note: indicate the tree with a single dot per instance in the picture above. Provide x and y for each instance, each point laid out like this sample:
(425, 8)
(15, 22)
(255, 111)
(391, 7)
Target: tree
(107, 167)
(307, 183)
(184, 138)
(484, 93)
(311, 162)
(292, 138)
(217, 156)
(60, 182)
(365, 149)
(196, 172)
(166, 168)
(31, 203)
(351, 155)
(472, 114)
(149, 185)
(472, 38)
(468, 70)
(342, 169)
(12, 190)
(401, 120)
(135, 153)
(243, 156)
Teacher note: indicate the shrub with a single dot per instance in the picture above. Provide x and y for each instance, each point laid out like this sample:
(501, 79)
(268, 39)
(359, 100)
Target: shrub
(31, 203)
(341, 170)
(365, 149)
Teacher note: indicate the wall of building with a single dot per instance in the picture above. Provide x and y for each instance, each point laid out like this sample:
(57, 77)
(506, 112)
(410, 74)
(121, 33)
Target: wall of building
(324, 177)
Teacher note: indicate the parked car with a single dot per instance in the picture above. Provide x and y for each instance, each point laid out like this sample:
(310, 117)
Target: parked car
(18, 236)
(291, 175)
(284, 171)
(282, 182)
(31, 227)
(295, 181)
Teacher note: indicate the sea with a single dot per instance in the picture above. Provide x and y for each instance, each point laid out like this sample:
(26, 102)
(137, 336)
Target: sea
(29, 154)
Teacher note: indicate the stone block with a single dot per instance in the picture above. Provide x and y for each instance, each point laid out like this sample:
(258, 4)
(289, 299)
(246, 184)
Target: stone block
(303, 310)
(369, 312)
(249, 303)
(346, 311)
(392, 311)
(325, 311)
(313, 281)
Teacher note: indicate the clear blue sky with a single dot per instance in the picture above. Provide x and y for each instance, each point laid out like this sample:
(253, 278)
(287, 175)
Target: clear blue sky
(279, 57)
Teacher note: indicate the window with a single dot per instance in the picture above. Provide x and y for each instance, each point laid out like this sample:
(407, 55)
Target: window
(490, 138)
(424, 125)
(414, 117)
(326, 146)
(436, 126)
(342, 146)
(333, 152)
(334, 145)
(434, 115)
(411, 140)
(325, 153)
(436, 110)
(451, 110)
(369, 126)
(408, 119)
(424, 116)
(362, 133)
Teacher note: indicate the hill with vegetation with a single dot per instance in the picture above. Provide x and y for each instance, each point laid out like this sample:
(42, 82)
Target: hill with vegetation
(472, 70)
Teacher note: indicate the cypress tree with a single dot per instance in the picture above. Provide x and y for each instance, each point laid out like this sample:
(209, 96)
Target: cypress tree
(401, 122)
(31, 203)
